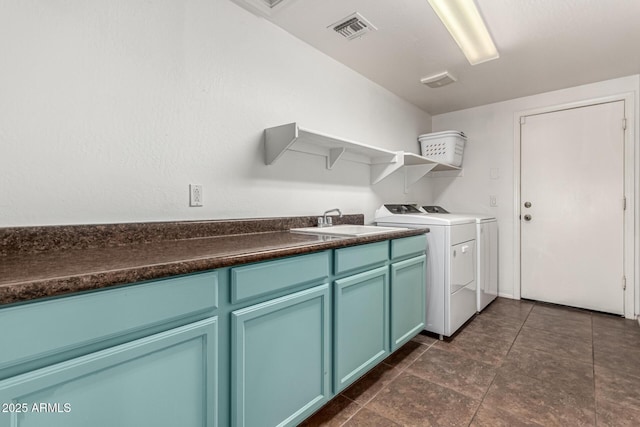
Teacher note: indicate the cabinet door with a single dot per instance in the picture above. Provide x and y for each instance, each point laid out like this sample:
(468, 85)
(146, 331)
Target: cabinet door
(280, 359)
(361, 324)
(167, 379)
(407, 299)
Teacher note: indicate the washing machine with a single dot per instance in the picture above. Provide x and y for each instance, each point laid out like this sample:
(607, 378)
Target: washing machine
(487, 254)
(451, 264)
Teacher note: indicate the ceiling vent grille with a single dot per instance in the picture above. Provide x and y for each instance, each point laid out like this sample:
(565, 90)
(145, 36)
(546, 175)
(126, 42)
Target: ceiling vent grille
(438, 80)
(353, 26)
(266, 8)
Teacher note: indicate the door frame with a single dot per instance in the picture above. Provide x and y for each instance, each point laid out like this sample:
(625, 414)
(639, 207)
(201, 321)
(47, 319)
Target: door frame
(631, 222)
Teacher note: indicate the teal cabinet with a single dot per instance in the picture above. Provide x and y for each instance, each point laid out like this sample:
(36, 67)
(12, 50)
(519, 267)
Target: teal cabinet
(46, 332)
(361, 324)
(353, 258)
(274, 278)
(408, 246)
(280, 359)
(166, 379)
(407, 299)
(262, 344)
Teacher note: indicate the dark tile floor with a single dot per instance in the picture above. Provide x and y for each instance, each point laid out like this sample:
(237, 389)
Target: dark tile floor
(516, 364)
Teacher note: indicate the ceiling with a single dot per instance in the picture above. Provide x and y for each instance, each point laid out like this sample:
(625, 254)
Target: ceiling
(544, 45)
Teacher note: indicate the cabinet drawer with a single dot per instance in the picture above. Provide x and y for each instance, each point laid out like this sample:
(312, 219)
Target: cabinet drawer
(268, 277)
(413, 245)
(355, 257)
(50, 331)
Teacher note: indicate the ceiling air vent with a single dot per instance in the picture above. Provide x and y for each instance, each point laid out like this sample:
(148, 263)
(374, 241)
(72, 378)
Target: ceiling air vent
(266, 8)
(438, 80)
(354, 25)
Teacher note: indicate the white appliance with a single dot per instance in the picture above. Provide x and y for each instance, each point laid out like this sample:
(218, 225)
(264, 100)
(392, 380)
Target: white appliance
(451, 264)
(487, 254)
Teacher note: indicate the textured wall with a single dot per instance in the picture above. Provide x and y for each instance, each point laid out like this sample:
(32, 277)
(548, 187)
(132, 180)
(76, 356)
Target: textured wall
(490, 129)
(110, 109)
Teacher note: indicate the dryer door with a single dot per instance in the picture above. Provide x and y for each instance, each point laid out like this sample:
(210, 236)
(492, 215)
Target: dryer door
(463, 263)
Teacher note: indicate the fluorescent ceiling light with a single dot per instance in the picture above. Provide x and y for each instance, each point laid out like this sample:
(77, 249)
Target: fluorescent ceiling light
(462, 19)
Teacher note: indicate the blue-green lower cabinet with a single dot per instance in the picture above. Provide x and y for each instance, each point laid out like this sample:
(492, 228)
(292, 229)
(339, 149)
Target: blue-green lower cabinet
(281, 359)
(361, 324)
(166, 379)
(407, 299)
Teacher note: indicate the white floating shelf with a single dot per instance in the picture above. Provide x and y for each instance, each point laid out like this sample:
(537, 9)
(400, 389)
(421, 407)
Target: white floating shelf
(415, 168)
(445, 167)
(291, 137)
(418, 166)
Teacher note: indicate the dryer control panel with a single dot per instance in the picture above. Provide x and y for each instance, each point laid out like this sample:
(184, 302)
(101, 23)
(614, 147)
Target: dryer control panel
(435, 209)
(403, 209)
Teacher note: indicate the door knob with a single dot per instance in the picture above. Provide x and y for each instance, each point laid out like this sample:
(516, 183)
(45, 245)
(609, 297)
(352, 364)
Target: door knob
(527, 204)
(527, 217)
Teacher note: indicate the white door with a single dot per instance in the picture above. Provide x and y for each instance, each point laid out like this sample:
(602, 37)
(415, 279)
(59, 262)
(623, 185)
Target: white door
(572, 189)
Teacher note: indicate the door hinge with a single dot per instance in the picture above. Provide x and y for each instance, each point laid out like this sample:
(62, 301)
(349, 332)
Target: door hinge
(624, 203)
(624, 283)
(624, 123)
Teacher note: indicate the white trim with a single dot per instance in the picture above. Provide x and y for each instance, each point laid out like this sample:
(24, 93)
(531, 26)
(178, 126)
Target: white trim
(518, 118)
(631, 164)
(630, 190)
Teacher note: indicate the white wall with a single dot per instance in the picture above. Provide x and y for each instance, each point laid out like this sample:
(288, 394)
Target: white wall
(109, 109)
(490, 130)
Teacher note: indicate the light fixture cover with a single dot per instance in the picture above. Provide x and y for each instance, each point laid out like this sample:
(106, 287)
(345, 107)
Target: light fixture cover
(438, 80)
(463, 20)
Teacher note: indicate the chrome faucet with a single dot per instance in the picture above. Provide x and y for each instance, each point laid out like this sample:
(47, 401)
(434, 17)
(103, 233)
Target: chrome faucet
(327, 221)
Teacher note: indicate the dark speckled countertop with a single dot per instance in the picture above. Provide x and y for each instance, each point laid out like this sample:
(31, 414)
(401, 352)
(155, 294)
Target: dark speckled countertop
(40, 262)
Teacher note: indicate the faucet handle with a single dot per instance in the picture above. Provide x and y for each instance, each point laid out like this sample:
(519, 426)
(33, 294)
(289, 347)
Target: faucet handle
(320, 222)
(329, 221)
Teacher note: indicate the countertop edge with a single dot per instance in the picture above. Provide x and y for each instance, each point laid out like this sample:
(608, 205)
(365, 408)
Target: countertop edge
(40, 289)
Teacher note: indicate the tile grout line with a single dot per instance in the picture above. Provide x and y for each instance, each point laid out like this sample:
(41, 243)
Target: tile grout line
(363, 405)
(501, 364)
(497, 373)
(546, 352)
(354, 414)
(559, 333)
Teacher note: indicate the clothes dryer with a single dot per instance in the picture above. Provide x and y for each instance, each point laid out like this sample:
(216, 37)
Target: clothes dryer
(487, 254)
(451, 264)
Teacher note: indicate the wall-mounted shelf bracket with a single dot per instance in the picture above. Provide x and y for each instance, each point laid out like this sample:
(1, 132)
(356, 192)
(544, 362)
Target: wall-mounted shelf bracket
(291, 137)
(334, 156)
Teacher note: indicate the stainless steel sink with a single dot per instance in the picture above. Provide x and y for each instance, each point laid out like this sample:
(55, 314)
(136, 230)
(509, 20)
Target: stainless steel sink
(347, 230)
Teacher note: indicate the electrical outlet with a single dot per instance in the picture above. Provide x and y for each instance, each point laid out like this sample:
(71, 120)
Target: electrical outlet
(493, 201)
(195, 195)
